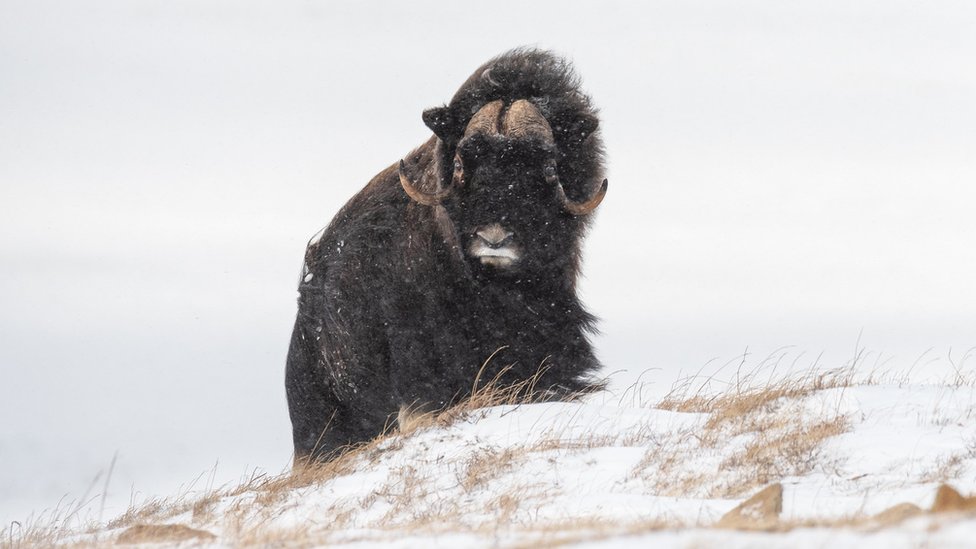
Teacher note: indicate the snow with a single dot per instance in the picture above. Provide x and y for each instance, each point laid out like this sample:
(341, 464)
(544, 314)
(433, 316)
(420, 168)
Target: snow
(596, 473)
(317, 236)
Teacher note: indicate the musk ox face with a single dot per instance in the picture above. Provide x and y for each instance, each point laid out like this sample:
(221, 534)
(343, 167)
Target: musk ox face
(504, 193)
(505, 208)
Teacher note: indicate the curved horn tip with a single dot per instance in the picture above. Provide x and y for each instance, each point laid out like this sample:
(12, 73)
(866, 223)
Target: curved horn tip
(583, 208)
(416, 194)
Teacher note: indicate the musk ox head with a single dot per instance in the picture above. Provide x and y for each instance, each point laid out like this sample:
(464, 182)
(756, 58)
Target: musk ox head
(504, 190)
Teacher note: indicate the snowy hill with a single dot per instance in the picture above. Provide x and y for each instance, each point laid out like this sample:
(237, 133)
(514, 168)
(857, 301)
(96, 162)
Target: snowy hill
(835, 461)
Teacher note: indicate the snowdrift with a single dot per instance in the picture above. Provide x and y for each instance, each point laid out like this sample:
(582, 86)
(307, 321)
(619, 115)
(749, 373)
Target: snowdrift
(814, 460)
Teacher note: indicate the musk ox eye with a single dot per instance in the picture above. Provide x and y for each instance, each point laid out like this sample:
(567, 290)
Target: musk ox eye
(458, 178)
(549, 171)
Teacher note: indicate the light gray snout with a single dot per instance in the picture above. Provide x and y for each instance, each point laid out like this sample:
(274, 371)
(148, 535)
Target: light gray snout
(495, 236)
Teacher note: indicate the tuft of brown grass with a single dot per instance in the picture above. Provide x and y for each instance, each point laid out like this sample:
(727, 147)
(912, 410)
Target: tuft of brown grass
(662, 466)
(491, 393)
(744, 398)
(485, 393)
(162, 533)
(488, 464)
(948, 467)
(755, 433)
(792, 451)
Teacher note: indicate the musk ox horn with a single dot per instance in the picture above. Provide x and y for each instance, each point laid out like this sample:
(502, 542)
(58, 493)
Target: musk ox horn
(523, 119)
(427, 199)
(485, 120)
(582, 208)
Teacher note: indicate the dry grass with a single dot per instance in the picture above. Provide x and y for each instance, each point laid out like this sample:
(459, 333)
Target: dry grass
(485, 393)
(744, 398)
(750, 434)
(162, 533)
(793, 451)
(755, 434)
(245, 514)
(947, 468)
(408, 500)
(488, 464)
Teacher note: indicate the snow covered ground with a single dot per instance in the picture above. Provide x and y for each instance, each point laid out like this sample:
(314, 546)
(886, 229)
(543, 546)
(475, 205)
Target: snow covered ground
(838, 451)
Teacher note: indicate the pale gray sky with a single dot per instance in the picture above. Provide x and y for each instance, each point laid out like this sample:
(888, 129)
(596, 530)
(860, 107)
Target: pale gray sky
(780, 174)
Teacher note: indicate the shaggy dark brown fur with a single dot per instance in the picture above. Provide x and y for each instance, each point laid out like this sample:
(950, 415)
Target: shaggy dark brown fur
(402, 303)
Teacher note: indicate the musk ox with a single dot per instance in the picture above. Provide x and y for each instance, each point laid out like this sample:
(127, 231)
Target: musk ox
(458, 261)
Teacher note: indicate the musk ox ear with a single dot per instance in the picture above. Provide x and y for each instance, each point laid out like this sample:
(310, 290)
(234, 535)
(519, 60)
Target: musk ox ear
(441, 121)
(579, 129)
(587, 125)
(582, 127)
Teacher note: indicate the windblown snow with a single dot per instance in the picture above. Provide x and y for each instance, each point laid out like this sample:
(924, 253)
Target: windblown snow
(850, 464)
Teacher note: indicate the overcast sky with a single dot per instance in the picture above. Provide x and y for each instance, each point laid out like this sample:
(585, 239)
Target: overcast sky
(781, 174)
